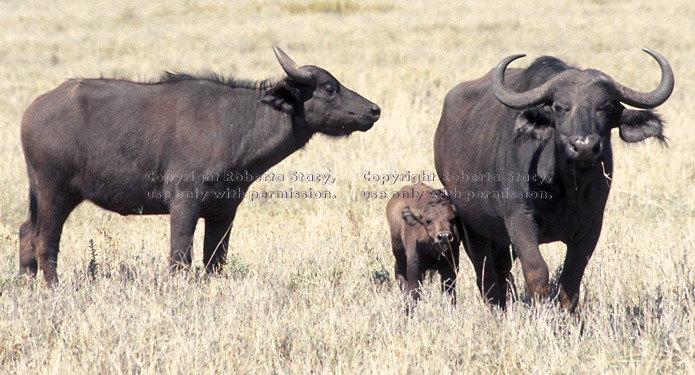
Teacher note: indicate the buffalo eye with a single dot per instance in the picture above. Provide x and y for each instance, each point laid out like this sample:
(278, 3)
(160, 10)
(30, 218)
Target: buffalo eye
(559, 110)
(330, 90)
(607, 108)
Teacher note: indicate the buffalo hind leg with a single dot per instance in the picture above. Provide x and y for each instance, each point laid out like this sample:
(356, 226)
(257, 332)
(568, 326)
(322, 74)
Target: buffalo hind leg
(216, 243)
(503, 267)
(479, 250)
(184, 217)
(28, 265)
(53, 210)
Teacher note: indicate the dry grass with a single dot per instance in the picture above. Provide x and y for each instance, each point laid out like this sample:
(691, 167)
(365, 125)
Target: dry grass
(309, 288)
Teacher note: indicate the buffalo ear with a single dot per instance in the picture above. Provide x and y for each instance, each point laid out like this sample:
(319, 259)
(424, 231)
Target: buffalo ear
(534, 122)
(282, 97)
(636, 126)
(409, 216)
(440, 194)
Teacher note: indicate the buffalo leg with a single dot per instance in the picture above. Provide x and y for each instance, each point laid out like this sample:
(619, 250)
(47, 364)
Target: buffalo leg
(577, 258)
(400, 267)
(479, 250)
(415, 275)
(400, 273)
(448, 271)
(503, 266)
(53, 210)
(216, 243)
(184, 217)
(524, 236)
(28, 265)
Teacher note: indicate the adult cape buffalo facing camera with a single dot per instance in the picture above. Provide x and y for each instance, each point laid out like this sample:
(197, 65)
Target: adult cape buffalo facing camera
(100, 139)
(543, 144)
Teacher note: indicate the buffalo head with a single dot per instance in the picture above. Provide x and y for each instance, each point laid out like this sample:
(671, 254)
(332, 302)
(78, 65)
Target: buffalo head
(437, 219)
(325, 105)
(579, 108)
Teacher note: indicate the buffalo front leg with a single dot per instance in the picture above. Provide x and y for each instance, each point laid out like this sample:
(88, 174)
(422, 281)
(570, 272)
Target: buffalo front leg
(400, 267)
(415, 273)
(184, 217)
(524, 236)
(576, 260)
(216, 243)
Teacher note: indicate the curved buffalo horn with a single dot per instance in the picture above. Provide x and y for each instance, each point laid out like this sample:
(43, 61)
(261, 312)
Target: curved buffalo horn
(649, 99)
(292, 69)
(518, 100)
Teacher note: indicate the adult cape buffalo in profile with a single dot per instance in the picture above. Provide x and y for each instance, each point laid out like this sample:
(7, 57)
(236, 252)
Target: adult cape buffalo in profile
(142, 148)
(530, 162)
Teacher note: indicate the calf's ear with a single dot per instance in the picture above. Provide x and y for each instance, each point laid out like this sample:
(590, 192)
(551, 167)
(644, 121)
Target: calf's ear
(439, 194)
(282, 97)
(534, 122)
(409, 216)
(636, 126)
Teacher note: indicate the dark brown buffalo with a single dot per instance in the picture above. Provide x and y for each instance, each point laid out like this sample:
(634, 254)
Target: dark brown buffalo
(166, 147)
(423, 237)
(530, 162)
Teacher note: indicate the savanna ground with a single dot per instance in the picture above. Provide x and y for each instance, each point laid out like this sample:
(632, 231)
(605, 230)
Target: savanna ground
(309, 285)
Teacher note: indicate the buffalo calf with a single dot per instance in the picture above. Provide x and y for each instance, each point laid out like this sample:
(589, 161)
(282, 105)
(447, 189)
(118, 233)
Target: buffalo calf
(424, 237)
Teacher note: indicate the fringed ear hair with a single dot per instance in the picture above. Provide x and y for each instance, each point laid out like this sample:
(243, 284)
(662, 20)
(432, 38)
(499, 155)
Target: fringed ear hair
(282, 97)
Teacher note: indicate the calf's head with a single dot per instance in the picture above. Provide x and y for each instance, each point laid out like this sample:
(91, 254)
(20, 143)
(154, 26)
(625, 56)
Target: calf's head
(324, 105)
(437, 219)
(579, 108)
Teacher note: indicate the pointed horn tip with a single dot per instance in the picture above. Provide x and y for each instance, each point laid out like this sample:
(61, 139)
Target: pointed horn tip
(514, 57)
(278, 52)
(507, 60)
(656, 55)
(652, 53)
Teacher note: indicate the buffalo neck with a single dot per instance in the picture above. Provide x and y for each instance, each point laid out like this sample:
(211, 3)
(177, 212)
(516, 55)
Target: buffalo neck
(265, 137)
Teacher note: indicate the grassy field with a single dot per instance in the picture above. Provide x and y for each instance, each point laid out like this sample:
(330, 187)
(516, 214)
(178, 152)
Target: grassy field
(309, 285)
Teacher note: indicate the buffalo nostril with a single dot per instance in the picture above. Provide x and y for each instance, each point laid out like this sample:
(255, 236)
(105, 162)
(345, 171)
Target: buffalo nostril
(597, 149)
(444, 237)
(376, 111)
(585, 146)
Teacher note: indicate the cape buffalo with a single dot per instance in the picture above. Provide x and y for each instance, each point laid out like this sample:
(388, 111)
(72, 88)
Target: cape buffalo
(530, 162)
(164, 147)
(423, 237)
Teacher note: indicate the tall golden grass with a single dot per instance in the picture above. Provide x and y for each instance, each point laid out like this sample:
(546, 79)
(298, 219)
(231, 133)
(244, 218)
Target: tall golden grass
(309, 283)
